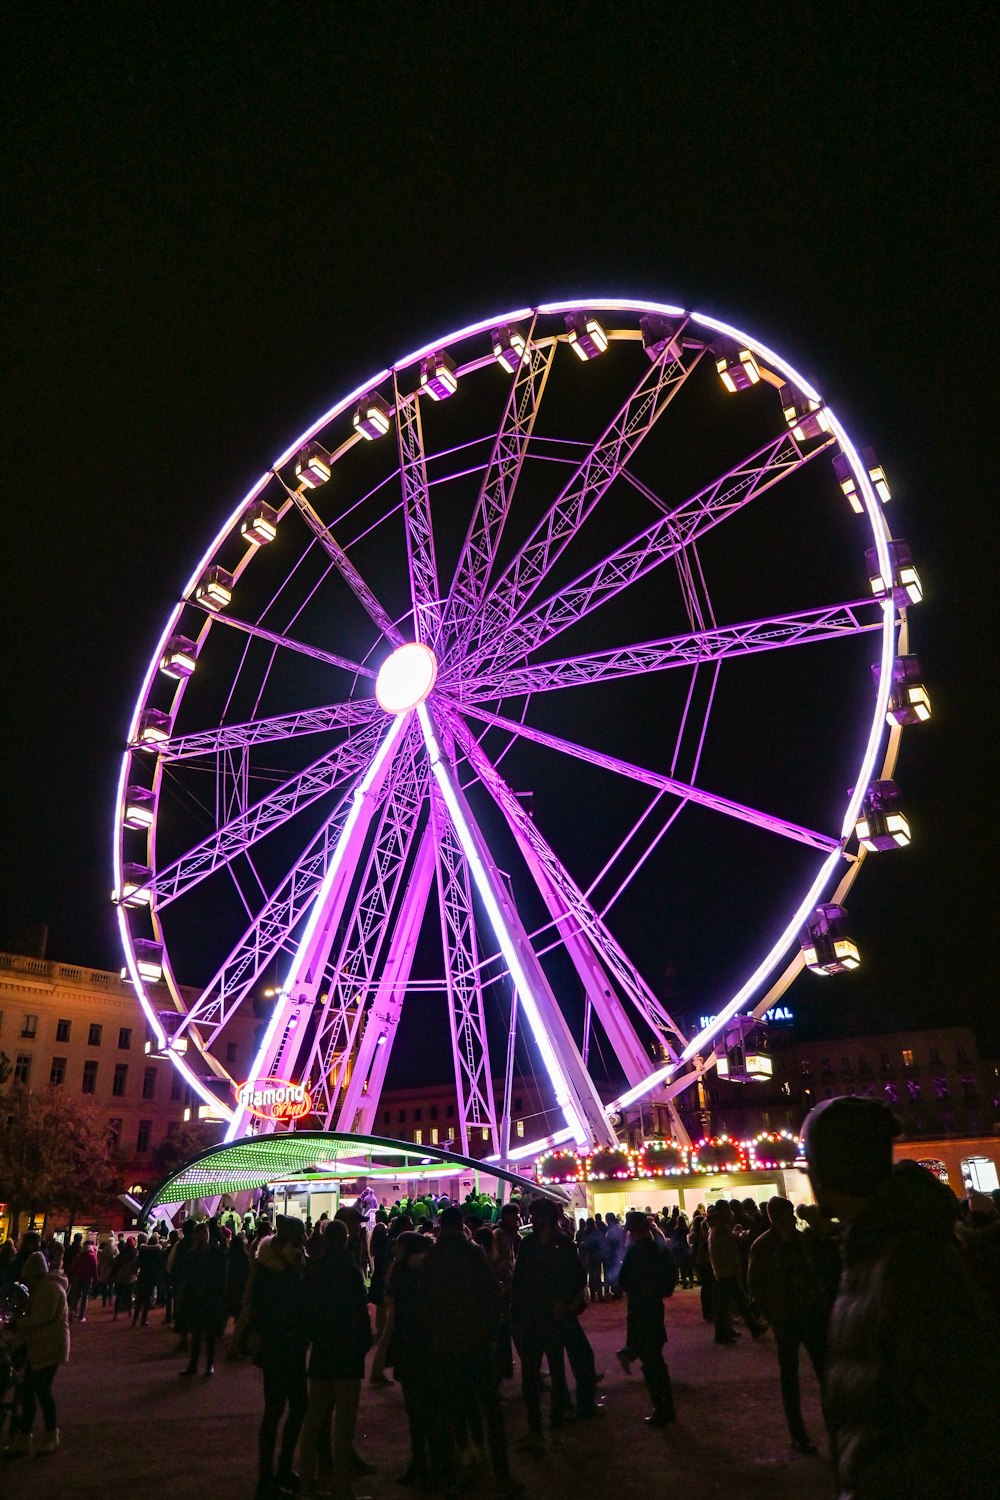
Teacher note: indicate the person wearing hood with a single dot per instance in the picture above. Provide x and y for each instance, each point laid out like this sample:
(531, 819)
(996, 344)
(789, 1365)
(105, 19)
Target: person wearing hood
(83, 1278)
(280, 1336)
(43, 1333)
(913, 1363)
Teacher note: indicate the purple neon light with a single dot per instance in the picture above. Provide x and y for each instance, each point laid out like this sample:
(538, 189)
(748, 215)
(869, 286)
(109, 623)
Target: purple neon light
(876, 733)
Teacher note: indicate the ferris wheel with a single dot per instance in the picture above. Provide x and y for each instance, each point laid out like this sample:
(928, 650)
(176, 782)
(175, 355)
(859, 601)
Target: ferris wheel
(525, 662)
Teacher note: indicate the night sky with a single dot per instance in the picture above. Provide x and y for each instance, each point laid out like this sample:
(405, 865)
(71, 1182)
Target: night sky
(218, 219)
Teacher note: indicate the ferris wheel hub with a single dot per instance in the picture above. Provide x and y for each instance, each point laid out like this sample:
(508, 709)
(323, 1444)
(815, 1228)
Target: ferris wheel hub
(406, 677)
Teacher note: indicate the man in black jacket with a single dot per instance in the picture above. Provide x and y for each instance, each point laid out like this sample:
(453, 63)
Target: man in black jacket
(280, 1337)
(547, 1286)
(913, 1367)
(783, 1283)
(648, 1274)
(337, 1324)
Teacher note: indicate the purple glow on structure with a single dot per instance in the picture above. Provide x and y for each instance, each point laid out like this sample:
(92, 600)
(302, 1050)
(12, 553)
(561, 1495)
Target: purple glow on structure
(504, 919)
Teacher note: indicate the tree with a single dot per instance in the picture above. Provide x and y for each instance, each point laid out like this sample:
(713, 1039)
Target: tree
(181, 1143)
(54, 1155)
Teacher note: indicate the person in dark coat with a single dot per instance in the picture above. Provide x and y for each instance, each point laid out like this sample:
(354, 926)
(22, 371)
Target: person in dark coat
(150, 1272)
(279, 1340)
(648, 1274)
(784, 1285)
(407, 1352)
(913, 1367)
(458, 1295)
(548, 1281)
(336, 1320)
(205, 1289)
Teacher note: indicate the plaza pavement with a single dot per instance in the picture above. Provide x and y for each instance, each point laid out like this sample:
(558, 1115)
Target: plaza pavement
(129, 1423)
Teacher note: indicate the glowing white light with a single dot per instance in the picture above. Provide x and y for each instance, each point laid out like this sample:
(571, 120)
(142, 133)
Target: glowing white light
(406, 677)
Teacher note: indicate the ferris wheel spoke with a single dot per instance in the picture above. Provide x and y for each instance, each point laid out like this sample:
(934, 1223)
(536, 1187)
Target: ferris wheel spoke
(346, 569)
(720, 643)
(288, 643)
(665, 539)
(369, 1066)
(683, 789)
(475, 563)
(287, 1036)
(230, 737)
(574, 1089)
(424, 586)
(591, 480)
(463, 982)
(325, 775)
(352, 979)
(576, 921)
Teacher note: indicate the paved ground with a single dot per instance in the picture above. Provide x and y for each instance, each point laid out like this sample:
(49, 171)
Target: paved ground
(128, 1421)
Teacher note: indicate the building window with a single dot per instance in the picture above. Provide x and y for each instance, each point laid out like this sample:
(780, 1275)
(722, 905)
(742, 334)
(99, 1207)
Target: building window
(824, 1063)
(892, 1093)
(519, 1127)
(518, 1105)
(863, 1064)
(232, 1052)
(124, 1038)
(450, 1112)
(62, 1030)
(961, 1056)
(94, 1035)
(935, 1057)
(486, 1133)
(845, 1064)
(89, 1077)
(434, 1135)
(386, 1116)
(433, 1112)
(941, 1088)
(806, 1067)
(418, 1114)
(149, 1083)
(418, 1137)
(57, 1072)
(120, 1079)
(947, 1121)
(401, 1117)
(907, 1058)
(176, 1086)
(969, 1088)
(114, 1130)
(913, 1088)
(143, 1137)
(22, 1067)
(29, 1027)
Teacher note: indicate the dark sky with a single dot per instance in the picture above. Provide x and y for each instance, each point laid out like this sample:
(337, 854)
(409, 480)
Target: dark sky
(220, 218)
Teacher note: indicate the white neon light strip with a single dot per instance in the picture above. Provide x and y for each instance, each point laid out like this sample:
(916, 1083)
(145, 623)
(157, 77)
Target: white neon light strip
(507, 945)
(281, 1006)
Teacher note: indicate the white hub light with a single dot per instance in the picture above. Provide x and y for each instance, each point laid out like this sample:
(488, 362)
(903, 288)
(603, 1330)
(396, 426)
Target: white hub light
(406, 677)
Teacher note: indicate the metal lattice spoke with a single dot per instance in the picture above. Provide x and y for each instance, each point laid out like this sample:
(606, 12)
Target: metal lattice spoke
(463, 979)
(289, 643)
(552, 877)
(330, 772)
(417, 516)
(493, 502)
(353, 973)
(722, 643)
(663, 540)
(346, 568)
(659, 384)
(280, 727)
(683, 789)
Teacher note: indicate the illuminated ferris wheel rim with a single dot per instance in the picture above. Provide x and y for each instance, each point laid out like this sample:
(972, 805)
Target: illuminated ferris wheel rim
(713, 328)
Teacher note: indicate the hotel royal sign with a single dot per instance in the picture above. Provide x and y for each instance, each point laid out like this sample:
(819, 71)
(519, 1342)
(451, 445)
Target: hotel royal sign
(274, 1099)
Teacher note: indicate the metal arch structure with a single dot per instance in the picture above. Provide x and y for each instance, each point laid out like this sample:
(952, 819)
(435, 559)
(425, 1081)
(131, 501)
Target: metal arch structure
(321, 1158)
(336, 834)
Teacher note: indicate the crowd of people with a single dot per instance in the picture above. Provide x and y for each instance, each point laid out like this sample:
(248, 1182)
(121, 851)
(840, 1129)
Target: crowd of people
(890, 1291)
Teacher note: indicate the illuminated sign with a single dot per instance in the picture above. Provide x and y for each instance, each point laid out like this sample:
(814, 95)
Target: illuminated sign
(776, 1013)
(274, 1099)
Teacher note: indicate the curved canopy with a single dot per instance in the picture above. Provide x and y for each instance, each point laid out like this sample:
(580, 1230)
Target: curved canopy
(319, 1157)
